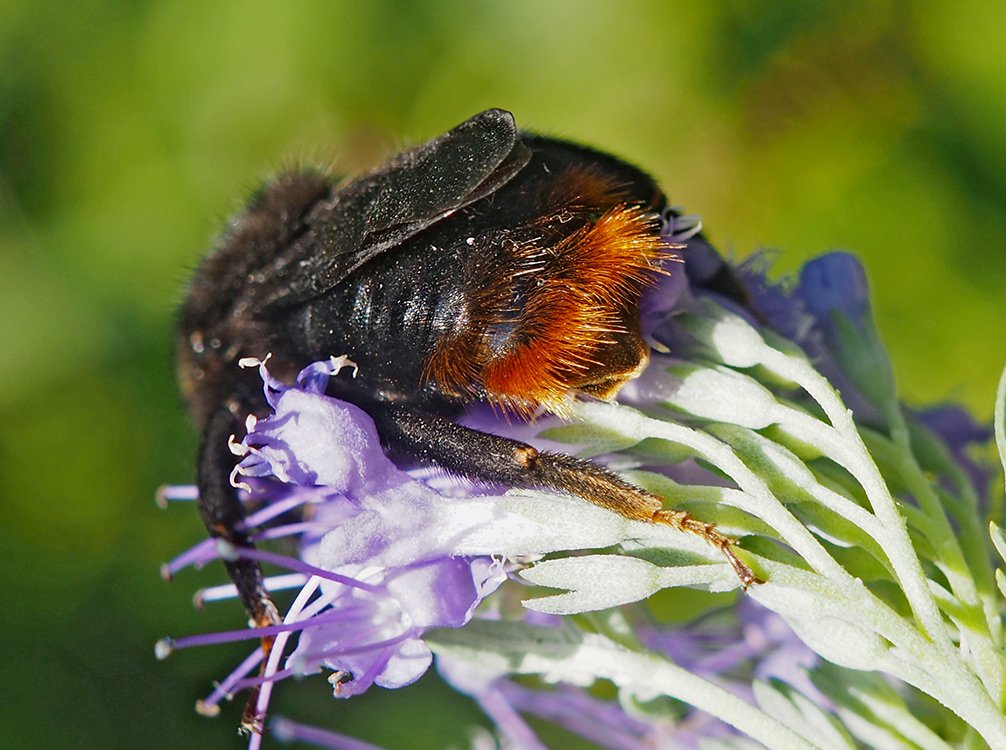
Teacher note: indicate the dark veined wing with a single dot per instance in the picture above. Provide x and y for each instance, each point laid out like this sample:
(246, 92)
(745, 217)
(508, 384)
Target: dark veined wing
(400, 198)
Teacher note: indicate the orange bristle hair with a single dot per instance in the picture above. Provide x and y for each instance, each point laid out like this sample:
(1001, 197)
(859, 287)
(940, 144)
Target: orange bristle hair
(563, 314)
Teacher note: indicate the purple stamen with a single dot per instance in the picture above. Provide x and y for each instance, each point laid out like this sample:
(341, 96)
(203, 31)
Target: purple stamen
(232, 636)
(226, 688)
(198, 556)
(277, 508)
(376, 668)
(285, 730)
(302, 567)
(250, 682)
(171, 493)
(292, 529)
(229, 591)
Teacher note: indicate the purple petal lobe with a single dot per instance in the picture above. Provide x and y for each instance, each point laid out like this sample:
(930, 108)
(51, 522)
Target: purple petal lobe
(835, 282)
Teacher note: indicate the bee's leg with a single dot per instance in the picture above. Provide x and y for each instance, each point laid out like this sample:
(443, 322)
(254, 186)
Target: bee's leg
(224, 516)
(408, 433)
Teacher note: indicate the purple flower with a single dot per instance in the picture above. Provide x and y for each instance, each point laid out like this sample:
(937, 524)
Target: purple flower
(374, 574)
(378, 637)
(383, 556)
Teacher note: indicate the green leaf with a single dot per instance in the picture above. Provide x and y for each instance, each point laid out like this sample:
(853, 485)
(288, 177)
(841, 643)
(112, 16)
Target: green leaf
(600, 581)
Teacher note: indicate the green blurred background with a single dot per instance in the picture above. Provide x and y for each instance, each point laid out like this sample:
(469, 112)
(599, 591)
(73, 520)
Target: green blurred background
(129, 131)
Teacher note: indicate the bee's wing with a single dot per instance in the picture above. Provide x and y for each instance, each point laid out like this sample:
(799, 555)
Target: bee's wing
(381, 209)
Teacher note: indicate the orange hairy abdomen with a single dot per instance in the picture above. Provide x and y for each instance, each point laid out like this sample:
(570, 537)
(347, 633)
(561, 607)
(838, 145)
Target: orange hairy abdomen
(562, 314)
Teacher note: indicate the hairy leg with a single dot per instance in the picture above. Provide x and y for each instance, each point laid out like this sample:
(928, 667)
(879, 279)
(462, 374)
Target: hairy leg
(429, 439)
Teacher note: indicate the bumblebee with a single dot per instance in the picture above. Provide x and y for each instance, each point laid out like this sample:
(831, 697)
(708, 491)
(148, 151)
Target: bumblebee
(486, 265)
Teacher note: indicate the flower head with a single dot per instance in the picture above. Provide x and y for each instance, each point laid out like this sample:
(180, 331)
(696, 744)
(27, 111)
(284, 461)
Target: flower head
(769, 409)
(375, 570)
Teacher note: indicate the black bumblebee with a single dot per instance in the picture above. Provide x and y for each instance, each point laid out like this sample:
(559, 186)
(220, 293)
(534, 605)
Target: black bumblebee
(485, 265)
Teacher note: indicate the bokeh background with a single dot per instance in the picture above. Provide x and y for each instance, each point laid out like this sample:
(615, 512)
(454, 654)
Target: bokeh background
(129, 131)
